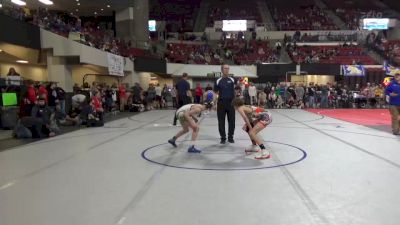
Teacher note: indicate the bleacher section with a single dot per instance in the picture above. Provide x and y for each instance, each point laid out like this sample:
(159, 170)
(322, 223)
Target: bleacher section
(302, 15)
(191, 53)
(222, 10)
(352, 11)
(330, 55)
(392, 51)
(240, 52)
(179, 15)
(89, 33)
(255, 52)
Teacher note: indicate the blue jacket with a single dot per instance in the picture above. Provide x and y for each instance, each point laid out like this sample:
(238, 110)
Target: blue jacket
(393, 87)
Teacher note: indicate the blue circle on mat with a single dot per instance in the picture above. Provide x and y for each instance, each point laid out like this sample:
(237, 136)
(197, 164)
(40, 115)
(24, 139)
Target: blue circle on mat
(304, 155)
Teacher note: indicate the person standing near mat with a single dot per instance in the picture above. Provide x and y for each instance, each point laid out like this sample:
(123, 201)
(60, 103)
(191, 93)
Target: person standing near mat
(225, 87)
(182, 88)
(393, 91)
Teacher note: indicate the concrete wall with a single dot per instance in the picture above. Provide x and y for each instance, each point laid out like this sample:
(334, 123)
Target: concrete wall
(178, 69)
(79, 71)
(94, 61)
(279, 35)
(64, 47)
(28, 72)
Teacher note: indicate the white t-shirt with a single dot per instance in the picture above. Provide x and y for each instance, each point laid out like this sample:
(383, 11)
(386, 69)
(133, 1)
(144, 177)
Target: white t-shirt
(158, 90)
(78, 98)
(252, 91)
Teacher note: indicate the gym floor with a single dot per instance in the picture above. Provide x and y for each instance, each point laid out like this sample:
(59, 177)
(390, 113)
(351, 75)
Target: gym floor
(323, 171)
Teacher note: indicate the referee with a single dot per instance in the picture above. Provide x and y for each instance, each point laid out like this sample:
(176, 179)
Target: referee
(225, 87)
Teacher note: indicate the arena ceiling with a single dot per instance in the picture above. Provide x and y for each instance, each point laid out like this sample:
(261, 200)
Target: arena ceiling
(79, 7)
(105, 7)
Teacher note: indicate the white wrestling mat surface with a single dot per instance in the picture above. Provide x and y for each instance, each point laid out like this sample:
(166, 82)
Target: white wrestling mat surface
(323, 171)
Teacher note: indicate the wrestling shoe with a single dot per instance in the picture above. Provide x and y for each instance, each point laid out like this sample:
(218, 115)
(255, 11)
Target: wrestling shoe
(172, 142)
(264, 154)
(192, 149)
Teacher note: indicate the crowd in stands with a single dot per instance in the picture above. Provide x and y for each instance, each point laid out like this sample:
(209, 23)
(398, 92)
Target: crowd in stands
(308, 17)
(179, 15)
(352, 11)
(221, 10)
(239, 51)
(388, 49)
(252, 52)
(193, 54)
(90, 33)
(322, 37)
(392, 52)
(346, 54)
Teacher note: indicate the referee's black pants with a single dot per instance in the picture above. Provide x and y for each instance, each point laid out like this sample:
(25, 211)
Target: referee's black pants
(225, 108)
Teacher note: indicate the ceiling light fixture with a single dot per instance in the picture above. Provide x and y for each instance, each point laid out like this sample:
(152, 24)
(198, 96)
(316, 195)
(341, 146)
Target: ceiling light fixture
(1, 5)
(22, 61)
(95, 13)
(108, 6)
(77, 10)
(19, 2)
(46, 2)
(78, 3)
(102, 9)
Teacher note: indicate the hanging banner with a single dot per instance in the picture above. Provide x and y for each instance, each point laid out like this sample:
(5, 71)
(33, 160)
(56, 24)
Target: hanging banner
(390, 70)
(353, 70)
(115, 64)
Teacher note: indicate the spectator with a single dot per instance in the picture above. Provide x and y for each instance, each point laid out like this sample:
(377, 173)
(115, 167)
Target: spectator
(59, 115)
(97, 106)
(61, 98)
(262, 99)
(12, 72)
(393, 91)
(299, 90)
(165, 95)
(73, 116)
(198, 93)
(182, 88)
(278, 46)
(311, 96)
(208, 88)
(151, 95)
(42, 92)
(122, 97)
(137, 92)
(252, 94)
(173, 95)
(109, 101)
(78, 98)
(52, 95)
(158, 91)
(30, 97)
(324, 96)
(42, 116)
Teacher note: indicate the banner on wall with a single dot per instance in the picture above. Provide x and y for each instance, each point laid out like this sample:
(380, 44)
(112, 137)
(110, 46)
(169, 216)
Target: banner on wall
(353, 70)
(115, 64)
(390, 70)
